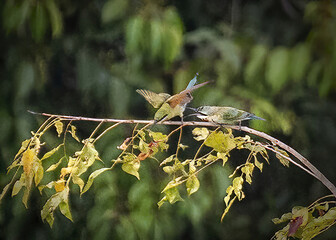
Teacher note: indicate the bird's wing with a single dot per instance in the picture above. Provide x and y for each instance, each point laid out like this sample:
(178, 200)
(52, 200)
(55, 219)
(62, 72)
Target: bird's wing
(155, 99)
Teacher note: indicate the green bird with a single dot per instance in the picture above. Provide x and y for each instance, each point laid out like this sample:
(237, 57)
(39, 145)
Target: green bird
(223, 115)
(170, 106)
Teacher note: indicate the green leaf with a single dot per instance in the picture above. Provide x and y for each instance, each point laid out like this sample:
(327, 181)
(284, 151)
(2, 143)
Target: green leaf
(200, 133)
(277, 68)
(65, 210)
(18, 185)
(4, 190)
(92, 176)
(25, 196)
(54, 166)
(300, 59)
(51, 152)
(255, 64)
(132, 168)
(113, 10)
(134, 34)
(59, 127)
(77, 180)
(281, 155)
(173, 195)
(220, 142)
(192, 184)
(173, 183)
(155, 38)
(55, 18)
(38, 24)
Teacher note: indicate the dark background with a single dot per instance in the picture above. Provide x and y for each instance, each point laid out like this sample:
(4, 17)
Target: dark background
(275, 58)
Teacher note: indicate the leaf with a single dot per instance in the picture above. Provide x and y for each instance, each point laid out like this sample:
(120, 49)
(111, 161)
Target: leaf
(77, 180)
(284, 218)
(192, 184)
(248, 170)
(92, 176)
(200, 133)
(59, 185)
(228, 208)
(51, 152)
(54, 166)
(167, 160)
(277, 68)
(257, 163)
(255, 64)
(155, 38)
(157, 136)
(173, 195)
(4, 190)
(26, 196)
(38, 172)
(73, 132)
(229, 192)
(294, 225)
(300, 59)
(59, 127)
(237, 185)
(132, 168)
(172, 184)
(182, 146)
(27, 160)
(281, 155)
(134, 34)
(220, 141)
(24, 146)
(65, 210)
(18, 185)
(55, 18)
(114, 10)
(38, 24)
(222, 156)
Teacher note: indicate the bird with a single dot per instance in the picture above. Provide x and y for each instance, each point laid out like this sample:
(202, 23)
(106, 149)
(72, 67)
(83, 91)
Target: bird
(223, 115)
(170, 106)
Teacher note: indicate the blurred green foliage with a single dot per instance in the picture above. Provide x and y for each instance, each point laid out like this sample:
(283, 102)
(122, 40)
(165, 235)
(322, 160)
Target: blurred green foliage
(273, 58)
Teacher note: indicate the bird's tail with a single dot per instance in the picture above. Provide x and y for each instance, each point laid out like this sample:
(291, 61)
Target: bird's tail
(197, 86)
(192, 82)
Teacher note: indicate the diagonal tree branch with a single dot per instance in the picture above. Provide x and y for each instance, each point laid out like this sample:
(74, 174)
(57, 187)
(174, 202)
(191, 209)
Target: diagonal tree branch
(311, 168)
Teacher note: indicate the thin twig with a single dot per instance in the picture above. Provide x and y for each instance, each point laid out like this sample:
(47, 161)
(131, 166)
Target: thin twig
(318, 175)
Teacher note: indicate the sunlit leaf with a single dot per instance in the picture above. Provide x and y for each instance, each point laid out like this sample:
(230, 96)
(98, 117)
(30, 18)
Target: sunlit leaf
(24, 146)
(157, 136)
(173, 195)
(54, 166)
(51, 152)
(18, 185)
(192, 184)
(228, 208)
(65, 210)
(172, 184)
(248, 170)
(222, 156)
(59, 127)
(38, 172)
(27, 160)
(257, 163)
(92, 176)
(284, 218)
(237, 185)
(200, 133)
(73, 132)
(59, 185)
(167, 160)
(132, 168)
(77, 180)
(220, 141)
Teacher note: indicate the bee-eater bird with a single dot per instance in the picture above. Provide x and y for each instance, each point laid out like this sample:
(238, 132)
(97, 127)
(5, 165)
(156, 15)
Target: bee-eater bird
(170, 106)
(223, 115)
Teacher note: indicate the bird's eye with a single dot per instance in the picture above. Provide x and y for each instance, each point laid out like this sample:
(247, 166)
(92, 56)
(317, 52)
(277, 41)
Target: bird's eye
(189, 95)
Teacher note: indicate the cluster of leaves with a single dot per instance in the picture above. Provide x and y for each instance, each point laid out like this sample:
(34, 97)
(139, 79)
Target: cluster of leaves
(35, 15)
(144, 143)
(307, 222)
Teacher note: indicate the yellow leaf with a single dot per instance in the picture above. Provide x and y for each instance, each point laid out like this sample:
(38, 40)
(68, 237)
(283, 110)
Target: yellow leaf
(222, 156)
(192, 184)
(157, 136)
(51, 152)
(220, 142)
(59, 185)
(59, 127)
(18, 185)
(73, 133)
(228, 208)
(200, 133)
(258, 164)
(173, 195)
(27, 160)
(173, 183)
(38, 172)
(77, 180)
(54, 166)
